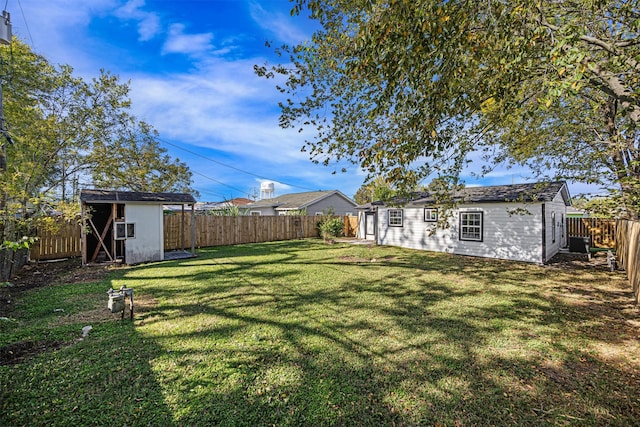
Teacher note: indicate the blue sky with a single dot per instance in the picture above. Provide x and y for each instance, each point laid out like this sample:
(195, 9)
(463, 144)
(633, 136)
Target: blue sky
(190, 68)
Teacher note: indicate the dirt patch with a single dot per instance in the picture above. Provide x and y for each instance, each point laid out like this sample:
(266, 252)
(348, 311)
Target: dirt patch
(17, 352)
(575, 261)
(353, 258)
(41, 274)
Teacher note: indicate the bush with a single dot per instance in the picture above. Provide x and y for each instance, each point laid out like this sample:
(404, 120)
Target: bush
(331, 227)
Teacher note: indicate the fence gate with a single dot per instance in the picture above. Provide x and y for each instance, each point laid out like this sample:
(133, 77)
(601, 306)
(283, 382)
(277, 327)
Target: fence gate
(602, 231)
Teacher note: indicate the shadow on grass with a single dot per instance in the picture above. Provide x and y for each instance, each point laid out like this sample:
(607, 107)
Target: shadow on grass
(103, 379)
(292, 334)
(386, 342)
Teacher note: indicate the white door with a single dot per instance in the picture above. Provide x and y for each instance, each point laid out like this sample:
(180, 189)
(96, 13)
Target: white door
(370, 226)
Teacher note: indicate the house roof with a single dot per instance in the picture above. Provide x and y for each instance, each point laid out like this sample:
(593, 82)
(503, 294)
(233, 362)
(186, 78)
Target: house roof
(106, 196)
(295, 201)
(240, 201)
(531, 192)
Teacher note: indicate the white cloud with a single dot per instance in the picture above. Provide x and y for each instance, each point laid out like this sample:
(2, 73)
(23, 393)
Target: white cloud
(149, 27)
(190, 44)
(277, 24)
(148, 22)
(223, 105)
(51, 28)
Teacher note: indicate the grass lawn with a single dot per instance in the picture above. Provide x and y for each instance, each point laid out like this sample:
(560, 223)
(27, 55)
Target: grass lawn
(304, 333)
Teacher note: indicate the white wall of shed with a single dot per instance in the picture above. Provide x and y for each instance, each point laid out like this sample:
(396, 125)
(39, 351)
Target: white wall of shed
(148, 244)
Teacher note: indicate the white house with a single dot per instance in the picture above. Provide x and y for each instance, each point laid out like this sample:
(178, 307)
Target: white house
(520, 222)
(127, 226)
(313, 202)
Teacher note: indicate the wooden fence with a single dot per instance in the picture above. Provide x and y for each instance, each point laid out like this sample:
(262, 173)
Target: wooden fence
(64, 242)
(350, 226)
(210, 231)
(628, 252)
(602, 231)
(235, 230)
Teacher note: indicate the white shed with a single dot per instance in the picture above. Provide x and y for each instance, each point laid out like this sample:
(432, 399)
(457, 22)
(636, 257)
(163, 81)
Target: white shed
(521, 222)
(127, 226)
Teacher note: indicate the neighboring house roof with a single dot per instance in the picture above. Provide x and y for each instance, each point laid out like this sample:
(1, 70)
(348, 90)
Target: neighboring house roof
(295, 201)
(106, 196)
(532, 192)
(240, 201)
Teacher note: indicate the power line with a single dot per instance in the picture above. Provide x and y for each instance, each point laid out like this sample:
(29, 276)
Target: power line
(231, 167)
(222, 196)
(24, 18)
(219, 182)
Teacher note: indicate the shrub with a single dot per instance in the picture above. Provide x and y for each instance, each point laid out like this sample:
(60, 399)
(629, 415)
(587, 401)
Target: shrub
(331, 227)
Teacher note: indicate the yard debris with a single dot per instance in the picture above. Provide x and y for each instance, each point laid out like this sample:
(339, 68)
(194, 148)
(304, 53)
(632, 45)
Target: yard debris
(86, 330)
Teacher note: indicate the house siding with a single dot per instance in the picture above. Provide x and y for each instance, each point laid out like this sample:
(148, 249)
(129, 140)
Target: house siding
(511, 231)
(339, 205)
(557, 207)
(263, 211)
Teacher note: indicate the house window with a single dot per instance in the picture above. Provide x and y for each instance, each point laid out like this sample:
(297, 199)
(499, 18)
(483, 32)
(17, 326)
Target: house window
(471, 226)
(395, 217)
(553, 227)
(256, 213)
(430, 215)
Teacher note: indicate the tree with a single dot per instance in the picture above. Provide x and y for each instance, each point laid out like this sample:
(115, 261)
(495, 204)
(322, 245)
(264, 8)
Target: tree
(375, 189)
(407, 89)
(134, 161)
(64, 129)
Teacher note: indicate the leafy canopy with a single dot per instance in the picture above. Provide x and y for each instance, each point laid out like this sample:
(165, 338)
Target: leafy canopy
(410, 89)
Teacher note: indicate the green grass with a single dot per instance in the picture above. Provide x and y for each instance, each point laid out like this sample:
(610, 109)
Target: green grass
(303, 333)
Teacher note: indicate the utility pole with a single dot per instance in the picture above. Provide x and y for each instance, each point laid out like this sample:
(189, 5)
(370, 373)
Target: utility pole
(5, 38)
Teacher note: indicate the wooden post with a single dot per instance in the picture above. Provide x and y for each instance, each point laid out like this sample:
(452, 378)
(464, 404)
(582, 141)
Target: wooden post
(83, 233)
(182, 229)
(114, 216)
(193, 229)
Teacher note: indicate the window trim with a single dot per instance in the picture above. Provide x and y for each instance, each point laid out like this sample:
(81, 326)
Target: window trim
(430, 211)
(481, 226)
(553, 227)
(124, 230)
(401, 218)
(255, 213)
